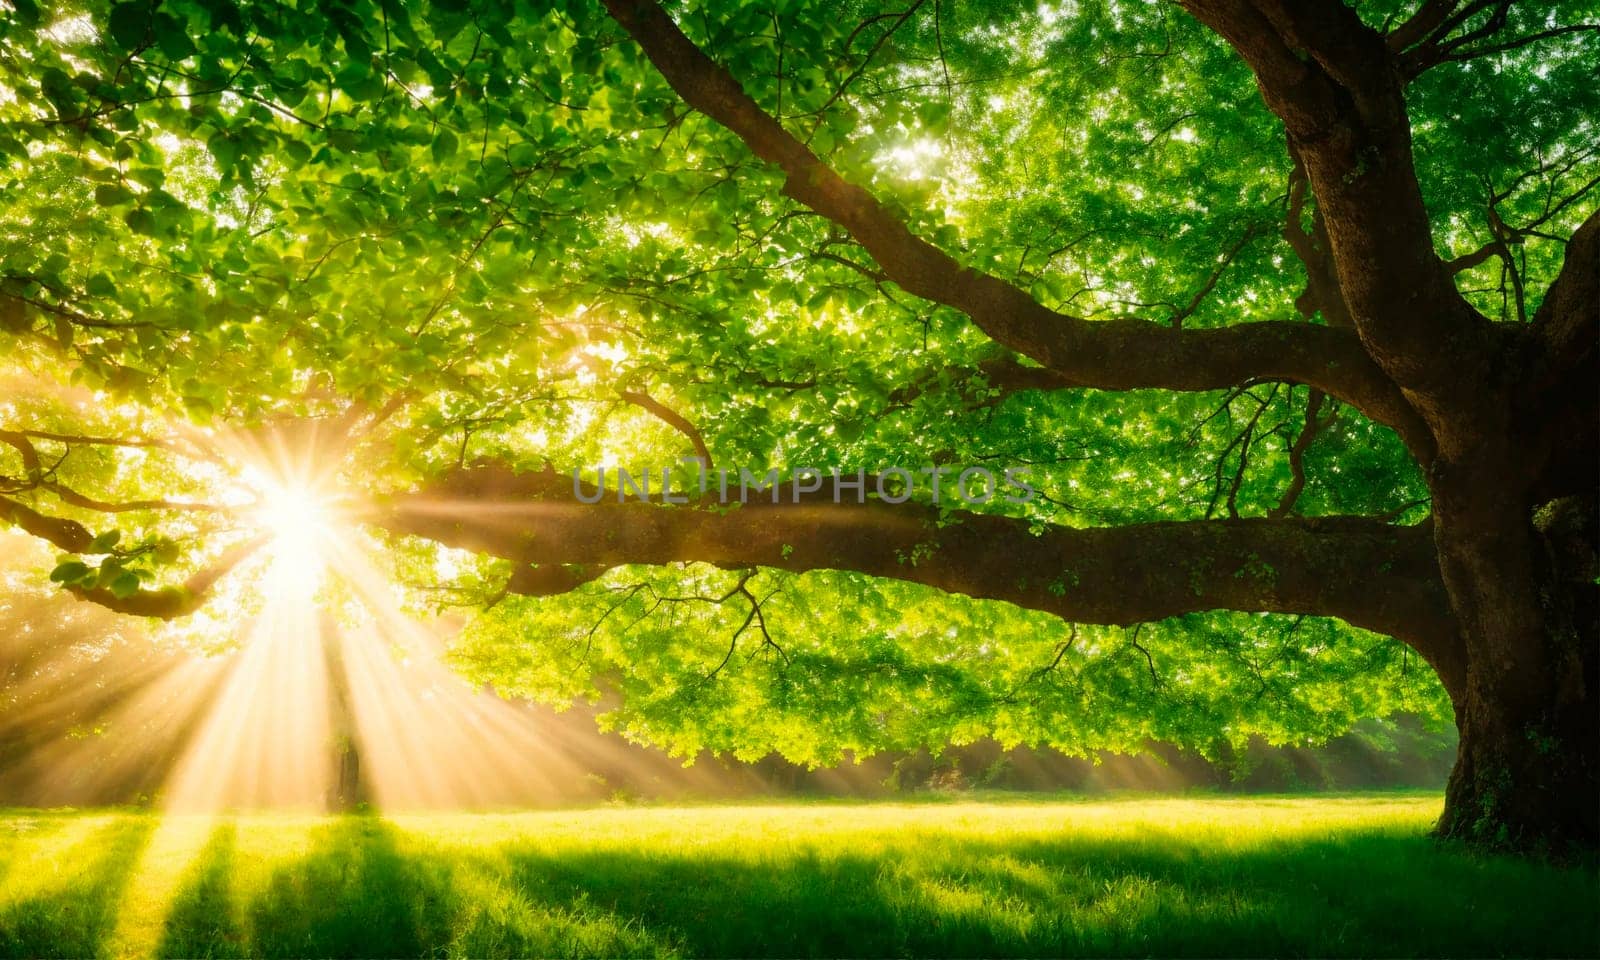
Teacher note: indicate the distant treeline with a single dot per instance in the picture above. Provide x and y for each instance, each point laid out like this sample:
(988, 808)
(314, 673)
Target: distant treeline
(1400, 752)
(89, 715)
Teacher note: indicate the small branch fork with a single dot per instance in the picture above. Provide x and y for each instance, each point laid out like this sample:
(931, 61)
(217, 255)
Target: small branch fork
(677, 421)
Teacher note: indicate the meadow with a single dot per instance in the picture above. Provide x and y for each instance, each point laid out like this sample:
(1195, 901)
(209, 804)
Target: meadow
(1345, 875)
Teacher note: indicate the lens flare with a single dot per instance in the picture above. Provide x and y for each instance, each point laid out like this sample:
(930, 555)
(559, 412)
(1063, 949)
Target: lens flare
(299, 522)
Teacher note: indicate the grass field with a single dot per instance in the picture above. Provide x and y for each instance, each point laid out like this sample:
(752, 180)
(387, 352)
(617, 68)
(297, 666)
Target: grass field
(1347, 875)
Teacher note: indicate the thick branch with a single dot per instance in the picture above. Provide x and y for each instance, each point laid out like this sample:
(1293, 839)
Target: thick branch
(1338, 88)
(68, 535)
(1425, 40)
(166, 603)
(1425, 21)
(171, 603)
(1559, 397)
(31, 464)
(1121, 575)
(1112, 355)
(1569, 317)
(1322, 293)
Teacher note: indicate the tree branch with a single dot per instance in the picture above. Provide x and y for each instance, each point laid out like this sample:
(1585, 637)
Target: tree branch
(1223, 262)
(1336, 85)
(171, 603)
(1560, 393)
(1427, 19)
(1314, 424)
(72, 438)
(673, 419)
(1113, 355)
(1569, 315)
(1322, 293)
(1121, 575)
(68, 535)
(130, 506)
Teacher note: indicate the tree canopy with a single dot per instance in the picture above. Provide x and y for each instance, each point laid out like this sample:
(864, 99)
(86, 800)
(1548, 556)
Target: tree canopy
(430, 258)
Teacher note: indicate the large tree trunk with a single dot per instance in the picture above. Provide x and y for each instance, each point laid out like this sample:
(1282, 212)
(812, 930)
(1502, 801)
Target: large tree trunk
(1521, 582)
(1525, 773)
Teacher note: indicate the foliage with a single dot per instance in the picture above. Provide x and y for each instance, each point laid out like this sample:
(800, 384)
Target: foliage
(476, 224)
(882, 665)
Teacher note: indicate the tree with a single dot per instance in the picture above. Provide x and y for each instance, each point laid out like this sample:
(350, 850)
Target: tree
(450, 247)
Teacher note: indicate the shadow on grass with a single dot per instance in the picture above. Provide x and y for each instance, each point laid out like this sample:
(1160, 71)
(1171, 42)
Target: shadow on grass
(1359, 895)
(66, 905)
(363, 887)
(204, 918)
(352, 895)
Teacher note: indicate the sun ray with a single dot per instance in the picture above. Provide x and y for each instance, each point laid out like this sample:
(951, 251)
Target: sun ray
(429, 738)
(155, 880)
(264, 742)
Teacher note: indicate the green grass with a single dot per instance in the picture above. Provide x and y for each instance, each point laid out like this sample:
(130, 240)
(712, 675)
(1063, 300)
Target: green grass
(1346, 876)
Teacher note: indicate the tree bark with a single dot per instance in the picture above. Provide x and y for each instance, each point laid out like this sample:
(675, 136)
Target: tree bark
(1515, 505)
(347, 790)
(1367, 572)
(1527, 774)
(1516, 508)
(1526, 769)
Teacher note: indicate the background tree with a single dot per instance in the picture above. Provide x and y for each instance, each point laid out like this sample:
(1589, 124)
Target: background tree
(1185, 264)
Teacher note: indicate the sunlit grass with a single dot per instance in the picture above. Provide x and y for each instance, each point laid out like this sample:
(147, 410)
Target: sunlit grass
(1348, 875)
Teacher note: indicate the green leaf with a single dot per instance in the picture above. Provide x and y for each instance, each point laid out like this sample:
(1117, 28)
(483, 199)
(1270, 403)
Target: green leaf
(444, 146)
(345, 140)
(172, 37)
(110, 570)
(359, 81)
(105, 542)
(125, 585)
(70, 572)
(112, 195)
(148, 176)
(224, 148)
(129, 24)
(27, 12)
(139, 220)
